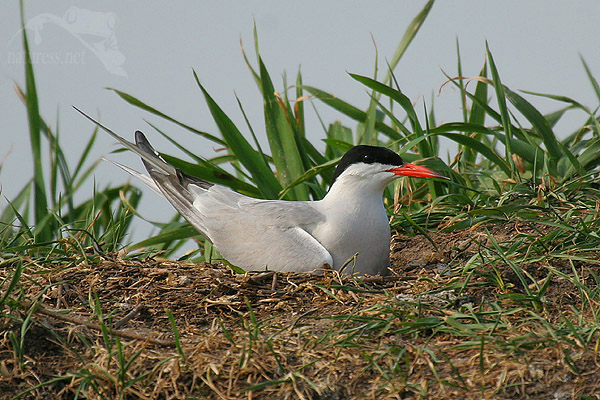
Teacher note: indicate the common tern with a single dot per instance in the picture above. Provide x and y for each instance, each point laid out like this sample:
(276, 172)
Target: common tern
(280, 235)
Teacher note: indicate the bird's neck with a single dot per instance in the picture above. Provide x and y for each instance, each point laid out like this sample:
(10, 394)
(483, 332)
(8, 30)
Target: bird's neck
(351, 190)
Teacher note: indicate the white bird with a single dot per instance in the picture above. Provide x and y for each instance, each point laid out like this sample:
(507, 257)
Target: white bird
(280, 235)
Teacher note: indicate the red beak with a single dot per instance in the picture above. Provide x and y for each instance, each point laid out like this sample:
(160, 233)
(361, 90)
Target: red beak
(408, 169)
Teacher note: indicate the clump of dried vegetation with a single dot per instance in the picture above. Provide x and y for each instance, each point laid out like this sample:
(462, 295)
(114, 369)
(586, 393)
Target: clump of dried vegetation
(109, 327)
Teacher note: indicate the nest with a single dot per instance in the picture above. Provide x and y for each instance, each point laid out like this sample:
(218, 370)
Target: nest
(159, 329)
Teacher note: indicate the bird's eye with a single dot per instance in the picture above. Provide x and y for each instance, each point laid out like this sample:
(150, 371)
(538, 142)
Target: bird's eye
(368, 159)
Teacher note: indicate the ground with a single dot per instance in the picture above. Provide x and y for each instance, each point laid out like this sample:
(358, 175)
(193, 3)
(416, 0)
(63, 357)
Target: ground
(103, 326)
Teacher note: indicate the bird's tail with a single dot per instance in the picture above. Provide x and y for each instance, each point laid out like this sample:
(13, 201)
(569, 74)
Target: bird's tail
(176, 186)
(179, 188)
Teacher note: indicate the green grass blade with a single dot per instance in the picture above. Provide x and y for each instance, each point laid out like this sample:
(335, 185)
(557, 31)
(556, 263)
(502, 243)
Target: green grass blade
(351, 111)
(16, 276)
(316, 170)
(339, 132)
(176, 334)
(339, 145)
(396, 123)
(475, 146)
(54, 166)
(252, 71)
(574, 166)
(500, 97)
(588, 159)
(254, 137)
(463, 98)
(477, 114)
(21, 199)
(35, 129)
(593, 80)
(555, 116)
(299, 105)
(425, 146)
(407, 38)
(24, 229)
(504, 115)
(419, 228)
(285, 149)
(138, 103)
(250, 158)
(568, 100)
(365, 131)
(207, 171)
(85, 154)
(483, 103)
(183, 148)
(525, 150)
(537, 120)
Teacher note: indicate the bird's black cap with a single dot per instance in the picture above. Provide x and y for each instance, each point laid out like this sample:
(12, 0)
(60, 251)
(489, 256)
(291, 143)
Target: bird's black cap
(368, 155)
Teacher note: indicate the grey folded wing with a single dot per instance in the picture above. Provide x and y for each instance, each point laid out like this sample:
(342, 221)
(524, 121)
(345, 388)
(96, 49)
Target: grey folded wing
(262, 234)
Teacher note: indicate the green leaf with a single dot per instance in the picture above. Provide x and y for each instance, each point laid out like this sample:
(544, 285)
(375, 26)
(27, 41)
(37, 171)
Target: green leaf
(8, 289)
(477, 115)
(351, 111)
(500, 97)
(589, 159)
(299, 105)
(138, 103)
(175, 143)
(250, 158)
(476, 146)
(22, 198)
(282, 139)
(319, 169)
(568, 100)
(424, 147)
(593, 80)
(35, 129)
(463, 98)
(539, 123)
(407, 38)
(85, 154)
(207, 171)
(339, 140)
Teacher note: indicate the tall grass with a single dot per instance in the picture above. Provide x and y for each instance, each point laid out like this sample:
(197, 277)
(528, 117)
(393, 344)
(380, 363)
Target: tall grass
(501, 145)
(504, 142)
(51, 217)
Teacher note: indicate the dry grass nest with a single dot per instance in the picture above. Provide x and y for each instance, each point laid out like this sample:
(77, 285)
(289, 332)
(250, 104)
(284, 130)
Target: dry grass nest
(104, 327)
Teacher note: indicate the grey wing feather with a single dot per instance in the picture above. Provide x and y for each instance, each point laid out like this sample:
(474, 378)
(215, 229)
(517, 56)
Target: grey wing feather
(177, 187)
(144, 178)
(258, 234)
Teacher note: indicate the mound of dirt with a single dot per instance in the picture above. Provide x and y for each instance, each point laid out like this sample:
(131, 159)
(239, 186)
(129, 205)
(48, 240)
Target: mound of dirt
(105, 327)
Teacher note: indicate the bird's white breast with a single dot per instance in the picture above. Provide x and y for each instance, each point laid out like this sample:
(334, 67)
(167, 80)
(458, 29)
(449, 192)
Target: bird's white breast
(356, 228)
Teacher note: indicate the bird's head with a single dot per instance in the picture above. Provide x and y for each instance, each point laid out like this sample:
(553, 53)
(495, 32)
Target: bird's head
(377, 166)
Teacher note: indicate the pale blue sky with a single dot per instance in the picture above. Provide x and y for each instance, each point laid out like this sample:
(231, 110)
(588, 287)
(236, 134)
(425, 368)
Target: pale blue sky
(536, 45)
